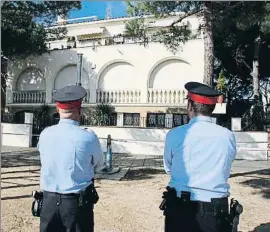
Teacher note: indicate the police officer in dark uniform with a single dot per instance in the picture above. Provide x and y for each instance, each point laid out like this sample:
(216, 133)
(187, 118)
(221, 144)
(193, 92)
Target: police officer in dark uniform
(69, 157)
(198, 157)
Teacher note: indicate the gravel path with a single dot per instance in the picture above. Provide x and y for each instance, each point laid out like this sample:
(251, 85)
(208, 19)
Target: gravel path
(130, 205)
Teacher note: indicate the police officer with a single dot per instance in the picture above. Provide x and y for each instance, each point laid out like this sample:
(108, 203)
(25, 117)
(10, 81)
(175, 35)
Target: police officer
(198, 156)
(69, 156)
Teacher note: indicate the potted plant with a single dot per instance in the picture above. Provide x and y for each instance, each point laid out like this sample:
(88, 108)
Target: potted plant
(221, 86)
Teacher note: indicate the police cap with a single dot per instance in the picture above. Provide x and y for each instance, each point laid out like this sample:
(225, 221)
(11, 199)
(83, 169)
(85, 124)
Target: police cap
(202, 93)
(69, 97)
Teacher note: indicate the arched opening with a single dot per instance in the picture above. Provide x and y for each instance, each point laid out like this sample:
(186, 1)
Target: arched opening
(169, 74)
(31, 79)
(118, 76)
(166, 81)
(68, 76)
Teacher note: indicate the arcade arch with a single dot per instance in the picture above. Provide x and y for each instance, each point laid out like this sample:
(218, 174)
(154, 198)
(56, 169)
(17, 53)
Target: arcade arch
(117, 75)
(31, 79)
(169, 73)
(68, 76)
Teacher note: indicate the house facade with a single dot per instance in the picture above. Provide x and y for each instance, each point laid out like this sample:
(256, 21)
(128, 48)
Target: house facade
(144, 83)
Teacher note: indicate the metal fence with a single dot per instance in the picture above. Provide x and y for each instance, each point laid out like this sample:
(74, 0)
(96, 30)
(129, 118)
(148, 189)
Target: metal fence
(134, 120)
(8, 118)
(153, 120)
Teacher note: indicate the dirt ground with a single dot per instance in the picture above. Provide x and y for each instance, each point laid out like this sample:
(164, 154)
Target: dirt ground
(130, 205)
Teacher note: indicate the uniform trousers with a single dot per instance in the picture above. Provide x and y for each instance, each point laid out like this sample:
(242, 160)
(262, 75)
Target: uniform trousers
(61, 213)
(196, 217)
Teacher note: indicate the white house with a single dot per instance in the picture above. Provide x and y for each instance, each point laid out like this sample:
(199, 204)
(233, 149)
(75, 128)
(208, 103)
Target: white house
(138, 81)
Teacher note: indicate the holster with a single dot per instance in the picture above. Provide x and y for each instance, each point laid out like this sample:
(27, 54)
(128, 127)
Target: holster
(37, 203)
(89, 196)
(235, 210)
(228, 220)
(169, 197)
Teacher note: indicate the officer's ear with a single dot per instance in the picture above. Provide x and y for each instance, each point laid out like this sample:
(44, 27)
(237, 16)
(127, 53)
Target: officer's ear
(77, 111)
(57, 109)
(189, 106)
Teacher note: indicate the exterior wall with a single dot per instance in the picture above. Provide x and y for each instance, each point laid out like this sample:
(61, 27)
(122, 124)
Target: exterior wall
(116, 67)
(139, 141)
(18, 135)
(125, 73)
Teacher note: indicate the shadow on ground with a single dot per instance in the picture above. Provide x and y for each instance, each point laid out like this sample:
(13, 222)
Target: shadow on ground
(262, 228)
(141, 174)
(257, 172)
(16, 197)
(20, 160)
(36, 171)
(258, 180)
(260, 183)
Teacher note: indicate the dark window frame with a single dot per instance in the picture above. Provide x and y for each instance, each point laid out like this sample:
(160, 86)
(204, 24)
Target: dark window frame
(157, 119)
(113, 119)
(135, 119)
(184, 119)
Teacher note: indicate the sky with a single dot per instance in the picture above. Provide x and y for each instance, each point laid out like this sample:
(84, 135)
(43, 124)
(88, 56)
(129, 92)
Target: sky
(98, 8)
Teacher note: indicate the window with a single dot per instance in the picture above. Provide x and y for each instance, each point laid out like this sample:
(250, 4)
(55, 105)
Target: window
(156, 120)
(105, 120)
(180, 119)
(132, 119)
(113, 119)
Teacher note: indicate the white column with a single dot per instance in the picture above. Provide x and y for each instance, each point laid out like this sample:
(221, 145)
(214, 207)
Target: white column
(236, 124)
(28, 119)
(168, 120)
(48, 96)
(120, 119)
(93, 95)
(9, 96)
(144, 95)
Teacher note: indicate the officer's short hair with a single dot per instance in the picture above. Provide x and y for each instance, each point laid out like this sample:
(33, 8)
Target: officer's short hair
(202, 109)
(67, 113)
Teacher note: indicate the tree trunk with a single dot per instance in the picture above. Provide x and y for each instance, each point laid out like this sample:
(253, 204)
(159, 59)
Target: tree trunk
(208, 44)
(255, 71)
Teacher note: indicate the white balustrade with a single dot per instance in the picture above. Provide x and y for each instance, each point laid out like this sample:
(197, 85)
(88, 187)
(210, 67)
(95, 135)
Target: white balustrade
(29, 96)
(118, 96)
(157, 96)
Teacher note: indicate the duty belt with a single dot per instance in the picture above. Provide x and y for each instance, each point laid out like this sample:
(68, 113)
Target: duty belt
(219, 206)
(89, 196)
(62, 195)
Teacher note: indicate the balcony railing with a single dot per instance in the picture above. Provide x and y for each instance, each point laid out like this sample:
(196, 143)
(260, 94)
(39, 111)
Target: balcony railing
(158, 96)
(112, 40)
(155, 96)
(29, 97)
(118, 96)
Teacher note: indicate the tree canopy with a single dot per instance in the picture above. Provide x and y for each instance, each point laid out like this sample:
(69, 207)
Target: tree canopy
(23, 30)
(234, 34)
(23, 25)
(241, 45)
